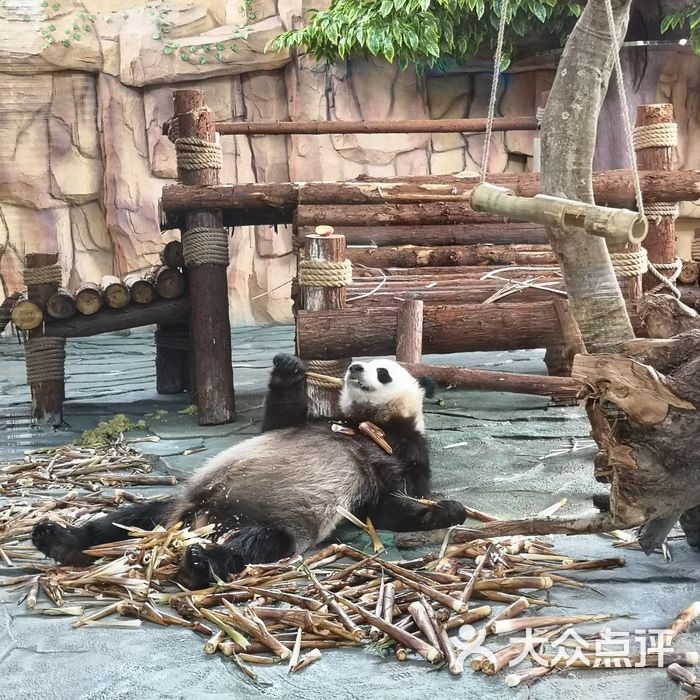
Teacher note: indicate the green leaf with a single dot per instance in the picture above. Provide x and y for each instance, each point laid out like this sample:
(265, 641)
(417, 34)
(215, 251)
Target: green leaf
(374, 41)
(666, 23)
(538, 9)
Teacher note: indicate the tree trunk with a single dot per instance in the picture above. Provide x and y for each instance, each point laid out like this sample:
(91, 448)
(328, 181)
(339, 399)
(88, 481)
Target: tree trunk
(568, 143)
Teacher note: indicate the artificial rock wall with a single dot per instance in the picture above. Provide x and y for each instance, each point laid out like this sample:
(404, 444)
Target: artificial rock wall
(83, 159)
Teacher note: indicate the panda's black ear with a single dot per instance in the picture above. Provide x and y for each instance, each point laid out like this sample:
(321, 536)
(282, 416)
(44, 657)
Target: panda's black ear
(428, 386)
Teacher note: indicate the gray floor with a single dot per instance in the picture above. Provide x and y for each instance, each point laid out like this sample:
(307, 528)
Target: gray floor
(493, 451)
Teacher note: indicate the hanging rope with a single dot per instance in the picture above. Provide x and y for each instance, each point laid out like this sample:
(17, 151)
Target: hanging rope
(205, 246)
(622, 94)
(494, 91)
(322, 273)
(45, 359)
(47, 274)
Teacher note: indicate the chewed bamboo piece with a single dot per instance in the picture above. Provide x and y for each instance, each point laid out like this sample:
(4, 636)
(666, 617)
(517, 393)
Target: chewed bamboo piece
(680, 624)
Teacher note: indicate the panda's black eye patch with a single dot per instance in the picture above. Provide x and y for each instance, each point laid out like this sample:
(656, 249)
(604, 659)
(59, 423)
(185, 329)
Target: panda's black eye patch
(383, 375)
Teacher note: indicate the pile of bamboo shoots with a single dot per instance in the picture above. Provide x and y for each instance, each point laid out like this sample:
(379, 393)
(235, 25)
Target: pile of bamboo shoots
(467, 606)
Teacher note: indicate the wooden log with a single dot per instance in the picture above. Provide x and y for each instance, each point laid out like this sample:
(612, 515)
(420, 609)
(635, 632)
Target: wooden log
(482, 380)
(210, 327)
(88, 298)
(114, 292)
(448, 328)
(409, 331)
(689, 273)
(6, 308)
(110, 320)
(404, 126)
(172, 357)
(141, 290)
(444, 256)
(439, 235)
(61, 304)
(661, 240)
(275, 202)
(391, 214)
(169, 282)
(25, 314)
(367, 275)
(47, 396)
(171, 255)
(324, 246)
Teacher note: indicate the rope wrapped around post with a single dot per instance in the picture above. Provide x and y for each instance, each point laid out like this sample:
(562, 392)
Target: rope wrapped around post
(630, 264)
(45, 359)
(326, 373)
(695, 250)
(47, 274)
(323, 273)
(664, 135)
(205, 245)
(198, 154)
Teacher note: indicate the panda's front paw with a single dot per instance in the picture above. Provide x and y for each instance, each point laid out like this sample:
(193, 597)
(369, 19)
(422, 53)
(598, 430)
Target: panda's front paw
(195, 569)
(445, 514)
(287, 369)
(690, 522)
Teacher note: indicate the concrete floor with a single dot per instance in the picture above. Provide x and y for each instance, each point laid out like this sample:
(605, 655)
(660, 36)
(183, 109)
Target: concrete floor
(490, 450)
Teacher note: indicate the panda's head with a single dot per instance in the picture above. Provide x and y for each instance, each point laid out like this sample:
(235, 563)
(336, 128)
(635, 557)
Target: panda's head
(379, 390)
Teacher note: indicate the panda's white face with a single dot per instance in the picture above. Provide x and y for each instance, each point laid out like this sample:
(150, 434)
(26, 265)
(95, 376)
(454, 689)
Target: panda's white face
(382, 389)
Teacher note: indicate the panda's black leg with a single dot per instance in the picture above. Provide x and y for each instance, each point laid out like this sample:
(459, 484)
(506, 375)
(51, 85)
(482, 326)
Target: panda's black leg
(404, 515)
(286, 403)
(690, 522)
(253, 544)
(66, 544)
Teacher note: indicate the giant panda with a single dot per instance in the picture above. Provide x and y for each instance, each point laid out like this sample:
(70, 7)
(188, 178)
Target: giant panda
(277, 494)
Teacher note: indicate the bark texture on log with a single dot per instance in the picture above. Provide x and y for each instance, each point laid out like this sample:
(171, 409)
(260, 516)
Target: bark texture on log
(482, 380)
(409, 331)
(61, 304)
(449, 328)
(110, 320)
(211, 330)
(661, 239)
(445, 256)
(438, 234)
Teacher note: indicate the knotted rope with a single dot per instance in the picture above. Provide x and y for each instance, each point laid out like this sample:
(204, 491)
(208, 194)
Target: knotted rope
(669, 282)
(326, 373)
(47, 274)
(656, 136)
(205, 245)
(323, 273)
(630, 264)
(45, 359)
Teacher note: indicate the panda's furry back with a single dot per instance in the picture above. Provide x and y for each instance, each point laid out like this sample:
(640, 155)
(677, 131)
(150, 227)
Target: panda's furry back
(293, 477)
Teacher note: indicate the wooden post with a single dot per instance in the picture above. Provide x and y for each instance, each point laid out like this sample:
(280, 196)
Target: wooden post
(211, 330)
(409, 331)
(47, 394)
(172, 357)
(324, 246)
(661, 239)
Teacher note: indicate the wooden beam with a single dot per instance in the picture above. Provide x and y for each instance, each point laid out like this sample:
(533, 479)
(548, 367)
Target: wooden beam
(446, 328)
(110, 320)
(437, 234)
(446, 256)
(404, 126)
(482, 380)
